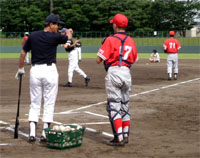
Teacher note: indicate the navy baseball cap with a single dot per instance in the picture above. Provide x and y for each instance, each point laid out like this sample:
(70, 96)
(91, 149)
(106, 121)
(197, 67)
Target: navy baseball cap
(54, 18)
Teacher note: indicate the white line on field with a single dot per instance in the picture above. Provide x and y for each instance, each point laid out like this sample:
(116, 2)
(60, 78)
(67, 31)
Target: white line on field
(94, 123)
(5, 144)
(91, 113)
(11, 128)
(83, 107)
(133, 95)
(2, 122)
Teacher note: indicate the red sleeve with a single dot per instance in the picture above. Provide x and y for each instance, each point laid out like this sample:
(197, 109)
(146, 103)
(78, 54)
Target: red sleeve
(105, 50)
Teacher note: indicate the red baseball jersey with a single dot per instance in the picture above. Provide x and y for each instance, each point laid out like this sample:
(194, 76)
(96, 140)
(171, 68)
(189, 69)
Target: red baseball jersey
(172, 45)
(110, 50)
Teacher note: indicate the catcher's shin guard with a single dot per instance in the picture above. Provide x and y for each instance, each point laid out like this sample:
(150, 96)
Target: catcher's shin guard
(125, 118)
(116, 123)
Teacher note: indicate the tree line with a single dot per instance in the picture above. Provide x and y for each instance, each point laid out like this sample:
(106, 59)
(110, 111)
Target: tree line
(94, 15)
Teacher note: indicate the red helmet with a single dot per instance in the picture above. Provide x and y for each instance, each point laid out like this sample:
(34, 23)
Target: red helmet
(25, 37)
(171, 33)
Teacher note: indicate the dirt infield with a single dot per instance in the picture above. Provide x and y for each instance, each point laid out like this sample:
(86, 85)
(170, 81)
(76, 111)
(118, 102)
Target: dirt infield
(165, 115)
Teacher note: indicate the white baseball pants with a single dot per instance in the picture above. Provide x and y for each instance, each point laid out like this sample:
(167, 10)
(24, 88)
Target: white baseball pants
(43, 85)
(73, 65)
(172, 63)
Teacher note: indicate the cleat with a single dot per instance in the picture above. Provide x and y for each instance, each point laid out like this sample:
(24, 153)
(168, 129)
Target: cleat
(68, 84)
(87, 80)
(169, 76)
(43, 139)
(32, 139)
(115, 142)
(169, 79)
(125, 140)
(175, 76)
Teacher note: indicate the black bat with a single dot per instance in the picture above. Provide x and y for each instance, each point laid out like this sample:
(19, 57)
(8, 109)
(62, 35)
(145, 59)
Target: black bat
(17, 117)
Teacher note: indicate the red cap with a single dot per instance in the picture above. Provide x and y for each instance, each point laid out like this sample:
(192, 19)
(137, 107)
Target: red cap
(171, 33)
(25, 37)
(120, 20)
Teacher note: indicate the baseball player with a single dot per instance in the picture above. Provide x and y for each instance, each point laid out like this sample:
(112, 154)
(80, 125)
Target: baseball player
(155, 57)
(171, 47)
(27, 56)
(43, 73)
(74, 56)
(118, 53)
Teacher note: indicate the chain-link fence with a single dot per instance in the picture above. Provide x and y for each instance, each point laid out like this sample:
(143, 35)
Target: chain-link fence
(12, 42)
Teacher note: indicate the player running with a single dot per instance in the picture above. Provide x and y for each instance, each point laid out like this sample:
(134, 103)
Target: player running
(171, 47)
(118, 53)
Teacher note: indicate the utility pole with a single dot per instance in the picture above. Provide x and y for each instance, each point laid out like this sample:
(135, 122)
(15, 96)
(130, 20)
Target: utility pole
(51, 6)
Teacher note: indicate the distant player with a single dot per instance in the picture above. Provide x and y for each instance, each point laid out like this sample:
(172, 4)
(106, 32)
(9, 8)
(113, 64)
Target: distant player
(74, 49)
(171, 47)
(118, 53)
(27, 55)
(155, 57)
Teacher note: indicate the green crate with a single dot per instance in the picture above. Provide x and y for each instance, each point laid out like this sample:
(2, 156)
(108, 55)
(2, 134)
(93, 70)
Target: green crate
(64, 139)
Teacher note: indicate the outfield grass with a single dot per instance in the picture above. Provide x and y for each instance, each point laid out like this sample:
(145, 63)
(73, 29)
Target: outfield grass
(97, 41)
(94, 55)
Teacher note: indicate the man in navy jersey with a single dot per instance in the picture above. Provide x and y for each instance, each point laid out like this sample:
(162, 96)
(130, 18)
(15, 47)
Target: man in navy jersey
(43, 73)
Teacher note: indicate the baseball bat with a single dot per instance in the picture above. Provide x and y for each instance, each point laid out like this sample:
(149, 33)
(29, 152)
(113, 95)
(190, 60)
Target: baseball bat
(17, 116)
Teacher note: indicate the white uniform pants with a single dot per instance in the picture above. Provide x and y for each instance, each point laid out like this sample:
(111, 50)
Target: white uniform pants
(118, 87)
(43, 85)
(73, 65)
(172, 62)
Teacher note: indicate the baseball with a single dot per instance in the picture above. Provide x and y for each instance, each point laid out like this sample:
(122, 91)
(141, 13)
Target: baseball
(62, 128)
(67, 128)
(57, 128)
(79, 127)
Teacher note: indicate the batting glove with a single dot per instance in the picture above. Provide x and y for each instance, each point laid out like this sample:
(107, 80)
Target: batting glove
(19, 72)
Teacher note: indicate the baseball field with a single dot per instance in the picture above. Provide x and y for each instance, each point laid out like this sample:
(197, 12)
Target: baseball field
(165, 120)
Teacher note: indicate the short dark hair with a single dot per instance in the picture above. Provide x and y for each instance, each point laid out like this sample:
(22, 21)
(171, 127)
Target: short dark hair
(122, 28)
(46, 24)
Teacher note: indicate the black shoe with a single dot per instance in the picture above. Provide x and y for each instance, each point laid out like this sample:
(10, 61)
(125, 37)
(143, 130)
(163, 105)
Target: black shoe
(125, 140)
(87, 80)
(68, 84)
(115, 142)
(43, 139)
(169, 78)
(32, 139)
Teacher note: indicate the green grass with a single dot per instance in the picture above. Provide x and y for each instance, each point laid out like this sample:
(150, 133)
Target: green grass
(94, 55)
(97, 41)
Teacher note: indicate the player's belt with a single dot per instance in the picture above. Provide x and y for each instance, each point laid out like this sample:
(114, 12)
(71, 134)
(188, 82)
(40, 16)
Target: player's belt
(48, 64)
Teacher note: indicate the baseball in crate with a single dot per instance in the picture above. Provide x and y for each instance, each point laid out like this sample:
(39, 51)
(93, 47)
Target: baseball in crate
(64, 136)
